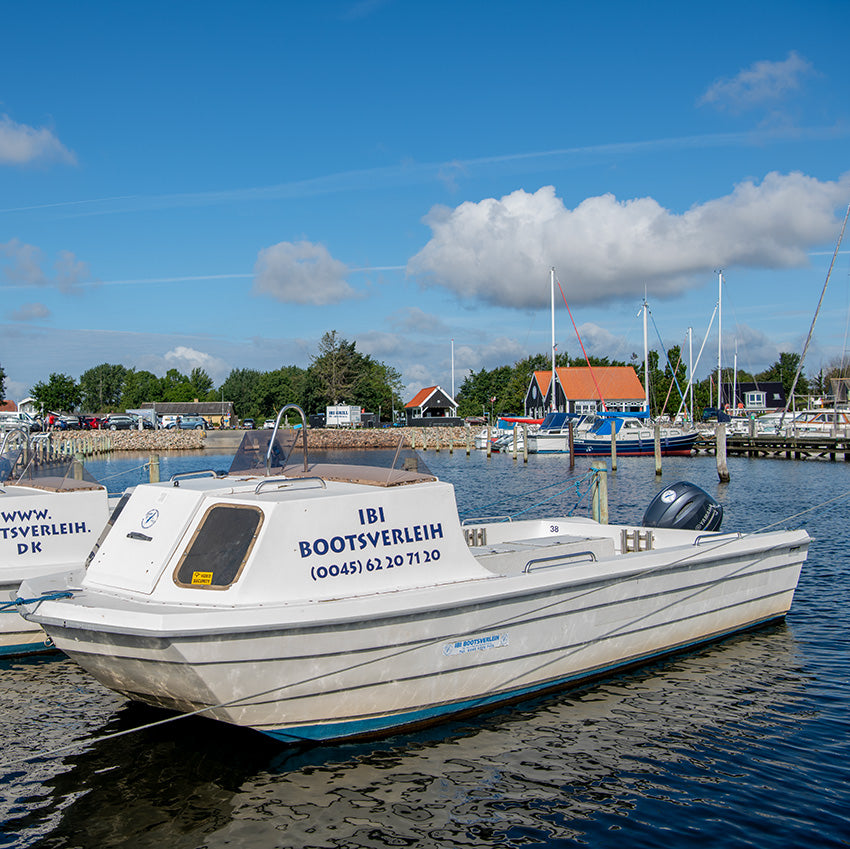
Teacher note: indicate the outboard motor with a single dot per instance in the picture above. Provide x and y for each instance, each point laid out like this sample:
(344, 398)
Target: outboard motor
(683, 506)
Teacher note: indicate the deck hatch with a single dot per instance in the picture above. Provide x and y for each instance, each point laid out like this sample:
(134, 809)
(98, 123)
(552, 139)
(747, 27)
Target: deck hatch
(219, 547)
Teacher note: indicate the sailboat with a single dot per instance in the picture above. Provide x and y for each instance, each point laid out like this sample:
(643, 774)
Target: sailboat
(633, 432)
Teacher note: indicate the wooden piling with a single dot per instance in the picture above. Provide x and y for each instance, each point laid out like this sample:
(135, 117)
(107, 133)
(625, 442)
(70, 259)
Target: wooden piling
(571, 441)
(720, 441)
(599, 502)
(489, 444)
(613, 446)
(525, 443)
(154, 468)
(657, 448)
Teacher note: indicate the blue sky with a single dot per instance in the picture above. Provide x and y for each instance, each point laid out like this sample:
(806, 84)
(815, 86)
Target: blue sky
(219, 184)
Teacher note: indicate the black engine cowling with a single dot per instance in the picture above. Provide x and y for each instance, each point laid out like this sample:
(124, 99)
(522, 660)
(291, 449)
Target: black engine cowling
(683, 506)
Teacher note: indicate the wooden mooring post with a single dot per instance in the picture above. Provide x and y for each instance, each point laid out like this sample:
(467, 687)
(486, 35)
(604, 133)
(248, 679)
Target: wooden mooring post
(720, 442)
(657, 448)
(599, 497)
(613, 446)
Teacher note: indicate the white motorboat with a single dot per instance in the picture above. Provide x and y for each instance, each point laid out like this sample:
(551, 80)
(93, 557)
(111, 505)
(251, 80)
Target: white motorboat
(322, 602)
(47, 524)
(634, 436)
(553, 435)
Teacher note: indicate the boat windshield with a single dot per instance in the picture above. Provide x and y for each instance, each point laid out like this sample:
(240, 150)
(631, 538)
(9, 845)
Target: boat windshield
(57, 474)
(287, 453)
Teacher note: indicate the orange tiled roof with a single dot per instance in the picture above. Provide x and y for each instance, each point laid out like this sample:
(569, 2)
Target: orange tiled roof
(421, 396)
(617, 383)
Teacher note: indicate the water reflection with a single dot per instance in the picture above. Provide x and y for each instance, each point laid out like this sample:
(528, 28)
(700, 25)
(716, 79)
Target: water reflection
(565, 767)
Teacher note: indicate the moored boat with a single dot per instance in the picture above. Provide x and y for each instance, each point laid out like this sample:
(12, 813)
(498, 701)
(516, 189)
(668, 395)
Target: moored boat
(320, 602)
(47, 523)
(634, 436)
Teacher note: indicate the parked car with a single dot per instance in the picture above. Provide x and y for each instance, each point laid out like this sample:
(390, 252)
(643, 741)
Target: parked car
(268, 424)
(91, 422)
(248, 424)
(69, 422)
(188, 423)
(9, 420)
(120, 422)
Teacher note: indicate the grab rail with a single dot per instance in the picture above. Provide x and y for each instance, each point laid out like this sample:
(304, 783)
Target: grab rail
(288, 481)
(274, 435)
(465, 522)
(9, 432)
(715, 537)
(198, 474)
(563, 560)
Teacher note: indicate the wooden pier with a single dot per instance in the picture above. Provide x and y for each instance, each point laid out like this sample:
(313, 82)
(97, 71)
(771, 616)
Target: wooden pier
(807, 447)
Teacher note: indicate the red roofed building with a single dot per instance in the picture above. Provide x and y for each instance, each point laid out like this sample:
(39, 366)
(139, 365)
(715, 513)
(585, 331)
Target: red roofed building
(8, 406)
(431, 406)
(583, 390)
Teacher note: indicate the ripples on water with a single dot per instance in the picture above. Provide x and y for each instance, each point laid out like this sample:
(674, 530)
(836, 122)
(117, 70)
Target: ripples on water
(742, 744)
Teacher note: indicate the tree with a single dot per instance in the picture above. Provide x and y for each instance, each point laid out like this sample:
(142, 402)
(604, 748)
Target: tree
(783, 371)
(243, 387)
(285, 385)
(478, 390)
(377, 387)
(2, 383)
(101, 387)
(201, 384)
(59, 393)
(333, 368)
(140, 387)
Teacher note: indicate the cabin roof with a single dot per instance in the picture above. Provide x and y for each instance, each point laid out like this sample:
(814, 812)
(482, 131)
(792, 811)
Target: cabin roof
(430, 393)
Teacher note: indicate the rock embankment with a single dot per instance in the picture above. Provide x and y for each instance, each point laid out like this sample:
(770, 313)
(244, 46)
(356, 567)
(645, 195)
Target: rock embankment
(419, 438)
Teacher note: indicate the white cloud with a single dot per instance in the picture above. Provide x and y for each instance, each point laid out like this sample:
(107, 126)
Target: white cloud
(500, 251)
(185, 359)
(24, 267)
(763, 82)
(301, 273)
(21, 144)
(29, 312)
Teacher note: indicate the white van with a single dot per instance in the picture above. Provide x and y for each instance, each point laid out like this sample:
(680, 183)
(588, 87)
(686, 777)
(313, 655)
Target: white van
(8, 421)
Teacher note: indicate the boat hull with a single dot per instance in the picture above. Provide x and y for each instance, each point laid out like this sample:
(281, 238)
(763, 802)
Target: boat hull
(681, 446)
(372, 669)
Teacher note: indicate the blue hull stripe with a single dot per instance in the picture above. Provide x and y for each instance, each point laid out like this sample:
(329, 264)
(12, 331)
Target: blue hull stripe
(26, 648)
(392, 722)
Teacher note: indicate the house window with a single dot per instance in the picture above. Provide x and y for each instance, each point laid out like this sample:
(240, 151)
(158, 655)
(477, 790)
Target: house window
(585, 408)
(219, 547)
(755, 399)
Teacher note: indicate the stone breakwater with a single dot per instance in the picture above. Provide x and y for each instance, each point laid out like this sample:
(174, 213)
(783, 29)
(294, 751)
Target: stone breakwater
(419, 438)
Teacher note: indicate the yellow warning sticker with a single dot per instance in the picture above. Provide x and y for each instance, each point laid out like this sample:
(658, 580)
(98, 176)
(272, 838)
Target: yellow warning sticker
(204, 578)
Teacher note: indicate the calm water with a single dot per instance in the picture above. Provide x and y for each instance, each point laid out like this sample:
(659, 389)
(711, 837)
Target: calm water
(746, 743)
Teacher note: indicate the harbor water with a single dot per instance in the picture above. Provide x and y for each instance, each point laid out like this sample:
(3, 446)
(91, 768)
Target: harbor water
(742, 743)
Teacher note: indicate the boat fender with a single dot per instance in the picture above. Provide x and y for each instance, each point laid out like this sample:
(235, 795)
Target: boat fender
(683, 506)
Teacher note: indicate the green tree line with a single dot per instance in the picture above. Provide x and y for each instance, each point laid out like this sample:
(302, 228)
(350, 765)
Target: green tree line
(501, 391)
(337, 374)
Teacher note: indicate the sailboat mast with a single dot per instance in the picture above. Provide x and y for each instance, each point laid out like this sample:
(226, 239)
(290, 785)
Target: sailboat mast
(691, 367)
(645, 355)
(553, 407)
(719, 335)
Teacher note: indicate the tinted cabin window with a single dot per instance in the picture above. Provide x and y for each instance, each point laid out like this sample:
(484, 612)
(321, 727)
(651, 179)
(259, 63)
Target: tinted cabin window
(219, 548)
